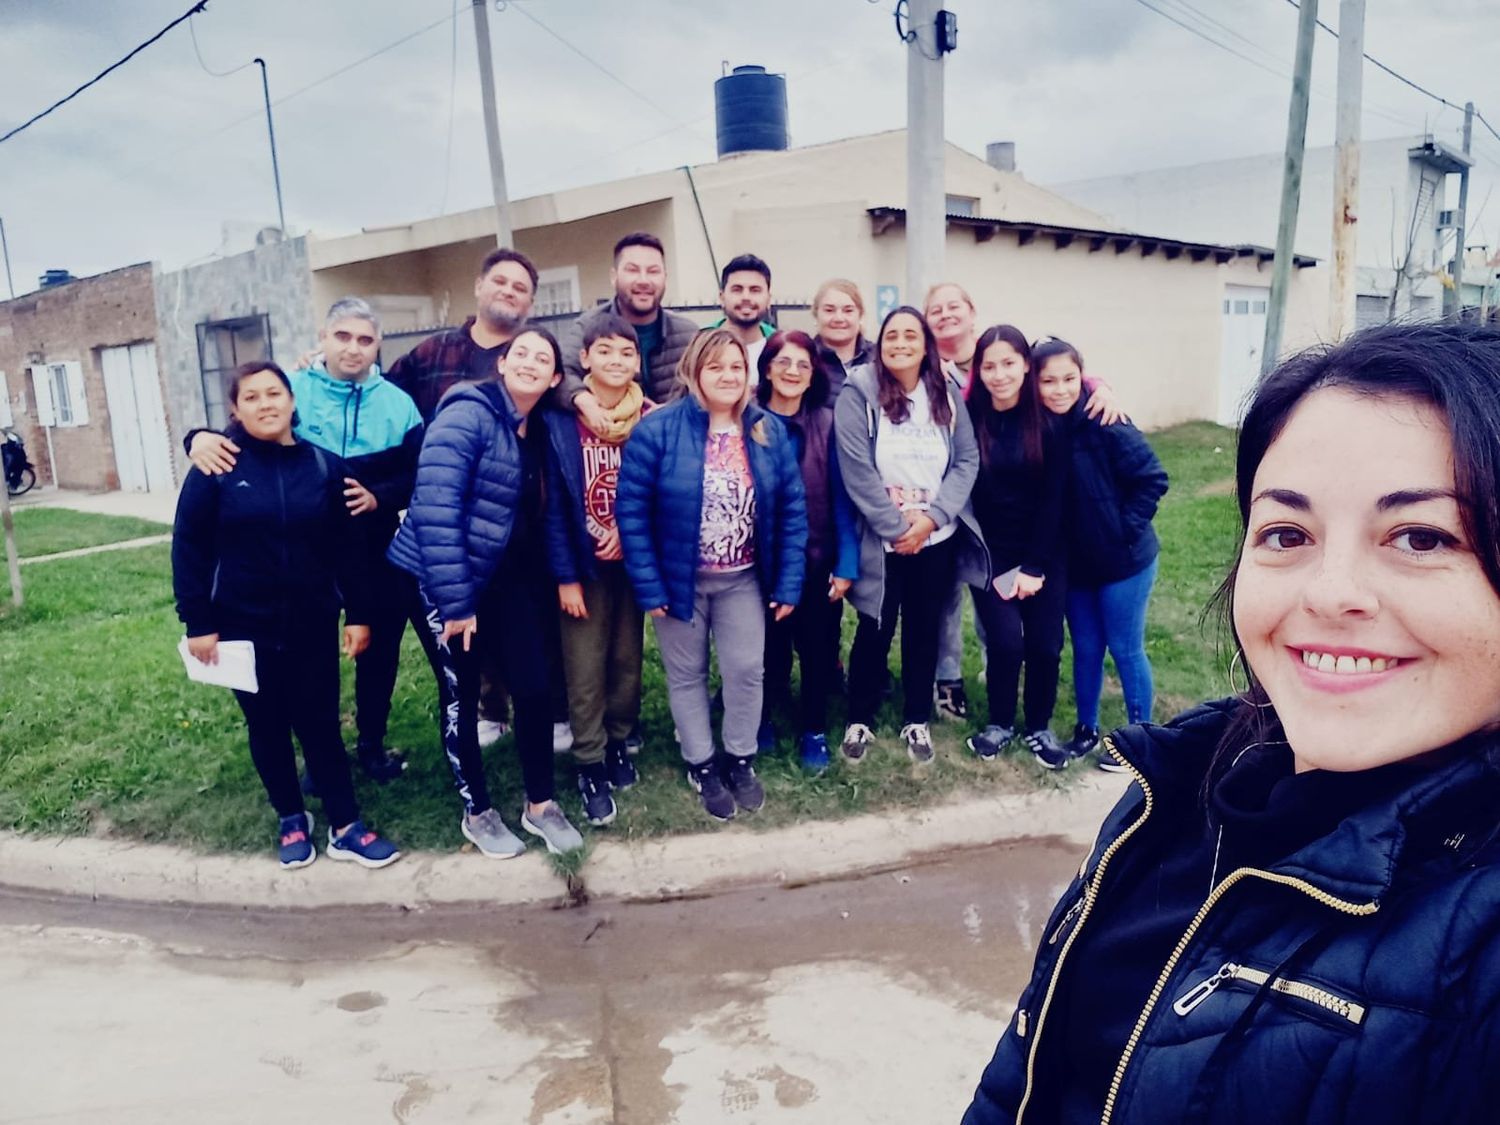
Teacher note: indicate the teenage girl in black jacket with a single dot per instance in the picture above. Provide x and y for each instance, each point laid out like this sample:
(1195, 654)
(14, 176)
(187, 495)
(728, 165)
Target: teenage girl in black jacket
(1018, 501)
(262, 554)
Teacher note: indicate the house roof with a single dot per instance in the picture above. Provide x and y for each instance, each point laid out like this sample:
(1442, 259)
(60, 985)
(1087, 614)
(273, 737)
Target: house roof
(883, 218)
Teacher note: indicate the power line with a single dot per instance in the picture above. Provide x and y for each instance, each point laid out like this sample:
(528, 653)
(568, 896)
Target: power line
(196, 8)
(597, 65)
(193, 33)
(1393, 73)
(1479, 117)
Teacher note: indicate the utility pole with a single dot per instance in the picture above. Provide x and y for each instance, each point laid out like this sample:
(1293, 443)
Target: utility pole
(12, 553)
(5, 250)
(1341, 299)
(1291, 183)
(503, 234)
(265, 89)
(1463, 216)
(926, 207)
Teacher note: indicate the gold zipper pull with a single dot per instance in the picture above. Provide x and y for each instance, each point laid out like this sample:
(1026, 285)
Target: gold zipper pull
(1203, 990)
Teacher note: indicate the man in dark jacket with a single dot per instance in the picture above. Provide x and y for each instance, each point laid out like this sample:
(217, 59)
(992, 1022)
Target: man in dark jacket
(745, 297)
(639, 277)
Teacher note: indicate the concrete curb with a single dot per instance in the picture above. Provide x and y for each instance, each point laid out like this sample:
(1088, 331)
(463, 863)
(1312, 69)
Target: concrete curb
(79, 552)
(679, 866)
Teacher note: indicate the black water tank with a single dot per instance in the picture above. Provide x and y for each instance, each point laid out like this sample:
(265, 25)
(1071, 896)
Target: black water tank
(750, 109)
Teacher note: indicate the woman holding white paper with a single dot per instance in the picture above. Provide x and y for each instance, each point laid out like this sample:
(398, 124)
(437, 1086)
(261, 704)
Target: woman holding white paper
(260, 554)
(1018, 500)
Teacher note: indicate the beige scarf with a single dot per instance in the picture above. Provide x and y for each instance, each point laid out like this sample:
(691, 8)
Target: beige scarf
(624, 415)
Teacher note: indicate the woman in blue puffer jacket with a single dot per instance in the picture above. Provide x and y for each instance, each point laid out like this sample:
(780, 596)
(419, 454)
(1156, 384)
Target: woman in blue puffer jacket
(1293, 914)
(474, 539)
(713, 525)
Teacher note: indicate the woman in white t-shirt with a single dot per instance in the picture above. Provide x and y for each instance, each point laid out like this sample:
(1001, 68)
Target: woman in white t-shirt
(909, 460)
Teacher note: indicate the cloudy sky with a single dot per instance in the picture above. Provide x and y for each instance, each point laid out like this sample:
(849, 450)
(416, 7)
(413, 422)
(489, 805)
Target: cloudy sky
(154, 160)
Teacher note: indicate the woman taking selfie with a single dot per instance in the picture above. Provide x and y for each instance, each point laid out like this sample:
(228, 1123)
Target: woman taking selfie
(267, 553)
(1293, 914)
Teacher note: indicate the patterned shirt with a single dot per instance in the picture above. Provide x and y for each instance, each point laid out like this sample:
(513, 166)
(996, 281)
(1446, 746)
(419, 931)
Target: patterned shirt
(601, 479)
(726, 537)
(438, 362)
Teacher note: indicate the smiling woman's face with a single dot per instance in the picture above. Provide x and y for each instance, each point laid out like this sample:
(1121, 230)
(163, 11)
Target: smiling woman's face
(1361, 606)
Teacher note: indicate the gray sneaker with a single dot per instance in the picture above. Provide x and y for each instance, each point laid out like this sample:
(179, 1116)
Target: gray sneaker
(918, 739)
(989, 742)
(488, 833)
(553, 827)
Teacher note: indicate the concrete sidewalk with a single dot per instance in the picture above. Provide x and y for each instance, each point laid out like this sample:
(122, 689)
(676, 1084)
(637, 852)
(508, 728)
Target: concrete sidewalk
(674, 867)
(158, 506)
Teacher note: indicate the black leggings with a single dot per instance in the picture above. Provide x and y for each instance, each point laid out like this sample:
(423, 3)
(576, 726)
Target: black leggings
(375, 668)
(511, 626)
(916, 589)
(1028, 630)
(812, 630)
(299, 693)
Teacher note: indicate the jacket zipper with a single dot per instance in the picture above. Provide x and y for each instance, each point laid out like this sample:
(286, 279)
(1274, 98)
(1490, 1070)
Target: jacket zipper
(1090, 894)
(1229, 971)
(1358, 909)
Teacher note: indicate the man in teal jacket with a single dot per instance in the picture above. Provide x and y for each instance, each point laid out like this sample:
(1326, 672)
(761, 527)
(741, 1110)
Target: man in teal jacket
(346, 406)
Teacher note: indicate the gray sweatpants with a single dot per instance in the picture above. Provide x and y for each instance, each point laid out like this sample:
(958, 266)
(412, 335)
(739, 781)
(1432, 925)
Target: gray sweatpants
(951, 635)
(728, 607)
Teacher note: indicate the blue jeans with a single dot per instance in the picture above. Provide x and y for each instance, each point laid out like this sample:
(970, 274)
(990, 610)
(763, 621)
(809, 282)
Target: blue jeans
(1112, 616)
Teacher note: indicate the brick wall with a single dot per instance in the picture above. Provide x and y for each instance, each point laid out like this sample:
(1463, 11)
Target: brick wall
(71, 323)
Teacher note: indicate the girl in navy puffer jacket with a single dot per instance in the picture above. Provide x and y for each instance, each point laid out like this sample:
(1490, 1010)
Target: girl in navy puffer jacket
(713, 524)
(473, 538)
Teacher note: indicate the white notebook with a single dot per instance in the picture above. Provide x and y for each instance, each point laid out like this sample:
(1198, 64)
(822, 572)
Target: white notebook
(235, 669)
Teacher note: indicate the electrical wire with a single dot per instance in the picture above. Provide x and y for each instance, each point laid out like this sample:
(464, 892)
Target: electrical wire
(193, 33)
(1380, 65)
(595, 63)
(1479, 117)
(198, 7)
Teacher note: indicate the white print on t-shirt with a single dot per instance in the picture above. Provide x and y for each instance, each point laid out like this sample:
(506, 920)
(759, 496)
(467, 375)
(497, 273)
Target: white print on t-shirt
(912, 458)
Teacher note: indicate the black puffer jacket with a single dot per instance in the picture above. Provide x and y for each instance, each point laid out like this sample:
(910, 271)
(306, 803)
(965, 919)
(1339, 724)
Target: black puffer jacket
(1355, 981)
(1114, 486)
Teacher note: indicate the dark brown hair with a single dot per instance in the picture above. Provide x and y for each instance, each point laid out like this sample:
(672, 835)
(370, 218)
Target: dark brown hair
(893, 401)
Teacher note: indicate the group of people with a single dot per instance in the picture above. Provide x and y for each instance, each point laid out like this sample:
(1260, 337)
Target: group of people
(526, 503)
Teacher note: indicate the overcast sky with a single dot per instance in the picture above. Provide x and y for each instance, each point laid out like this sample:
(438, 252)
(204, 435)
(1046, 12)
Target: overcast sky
(150, 163)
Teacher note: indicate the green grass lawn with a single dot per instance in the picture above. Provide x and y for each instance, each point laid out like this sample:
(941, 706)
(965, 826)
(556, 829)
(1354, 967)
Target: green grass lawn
(46, 531)
(101, 733)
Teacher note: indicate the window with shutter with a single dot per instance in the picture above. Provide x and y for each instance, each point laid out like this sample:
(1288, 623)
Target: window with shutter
(41, 388)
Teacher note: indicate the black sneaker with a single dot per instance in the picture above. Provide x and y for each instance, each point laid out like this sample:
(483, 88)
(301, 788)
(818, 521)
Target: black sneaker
(618, 767)
(952, 700)
(634, 741)
(990, 741)
(1047, 750)
(593, 787)
(1085, 740)
(718, 802)
(748, 792)
(381, 765)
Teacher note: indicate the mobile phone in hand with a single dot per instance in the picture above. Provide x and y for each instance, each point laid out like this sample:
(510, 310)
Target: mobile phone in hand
(1005, 584)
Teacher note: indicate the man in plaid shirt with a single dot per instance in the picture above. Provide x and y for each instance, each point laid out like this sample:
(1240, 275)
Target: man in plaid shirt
(503, 293)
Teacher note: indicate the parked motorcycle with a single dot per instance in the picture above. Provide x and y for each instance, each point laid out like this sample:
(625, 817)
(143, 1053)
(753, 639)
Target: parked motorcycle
(20, 474)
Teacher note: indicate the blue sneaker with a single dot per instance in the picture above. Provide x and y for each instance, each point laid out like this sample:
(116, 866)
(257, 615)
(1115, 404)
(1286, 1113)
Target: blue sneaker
(296, 841)
(814, 752)
(362, 846)
(765, 738)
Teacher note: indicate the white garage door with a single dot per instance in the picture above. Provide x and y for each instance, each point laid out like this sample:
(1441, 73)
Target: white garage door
(137, 418)
(1244, 338)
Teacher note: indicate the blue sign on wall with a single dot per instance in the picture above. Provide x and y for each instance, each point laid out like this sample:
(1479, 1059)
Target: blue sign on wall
(887, 297)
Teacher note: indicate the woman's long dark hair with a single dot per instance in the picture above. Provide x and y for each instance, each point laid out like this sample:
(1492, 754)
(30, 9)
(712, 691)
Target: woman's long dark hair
(1028, 408)
(1455, 369)
(893, 401)
(817, 390)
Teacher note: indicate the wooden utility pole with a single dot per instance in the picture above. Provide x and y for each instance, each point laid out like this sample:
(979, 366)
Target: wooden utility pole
(1463, 216)
(1345, 281)
(1291, 183)
(12, 552)
(503, 234)
(926, 199)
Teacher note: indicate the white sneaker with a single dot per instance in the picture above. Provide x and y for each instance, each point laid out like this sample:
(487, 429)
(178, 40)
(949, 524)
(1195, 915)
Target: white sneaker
(491, 732)
(857, 739)
(562, 738)
(918, 739)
